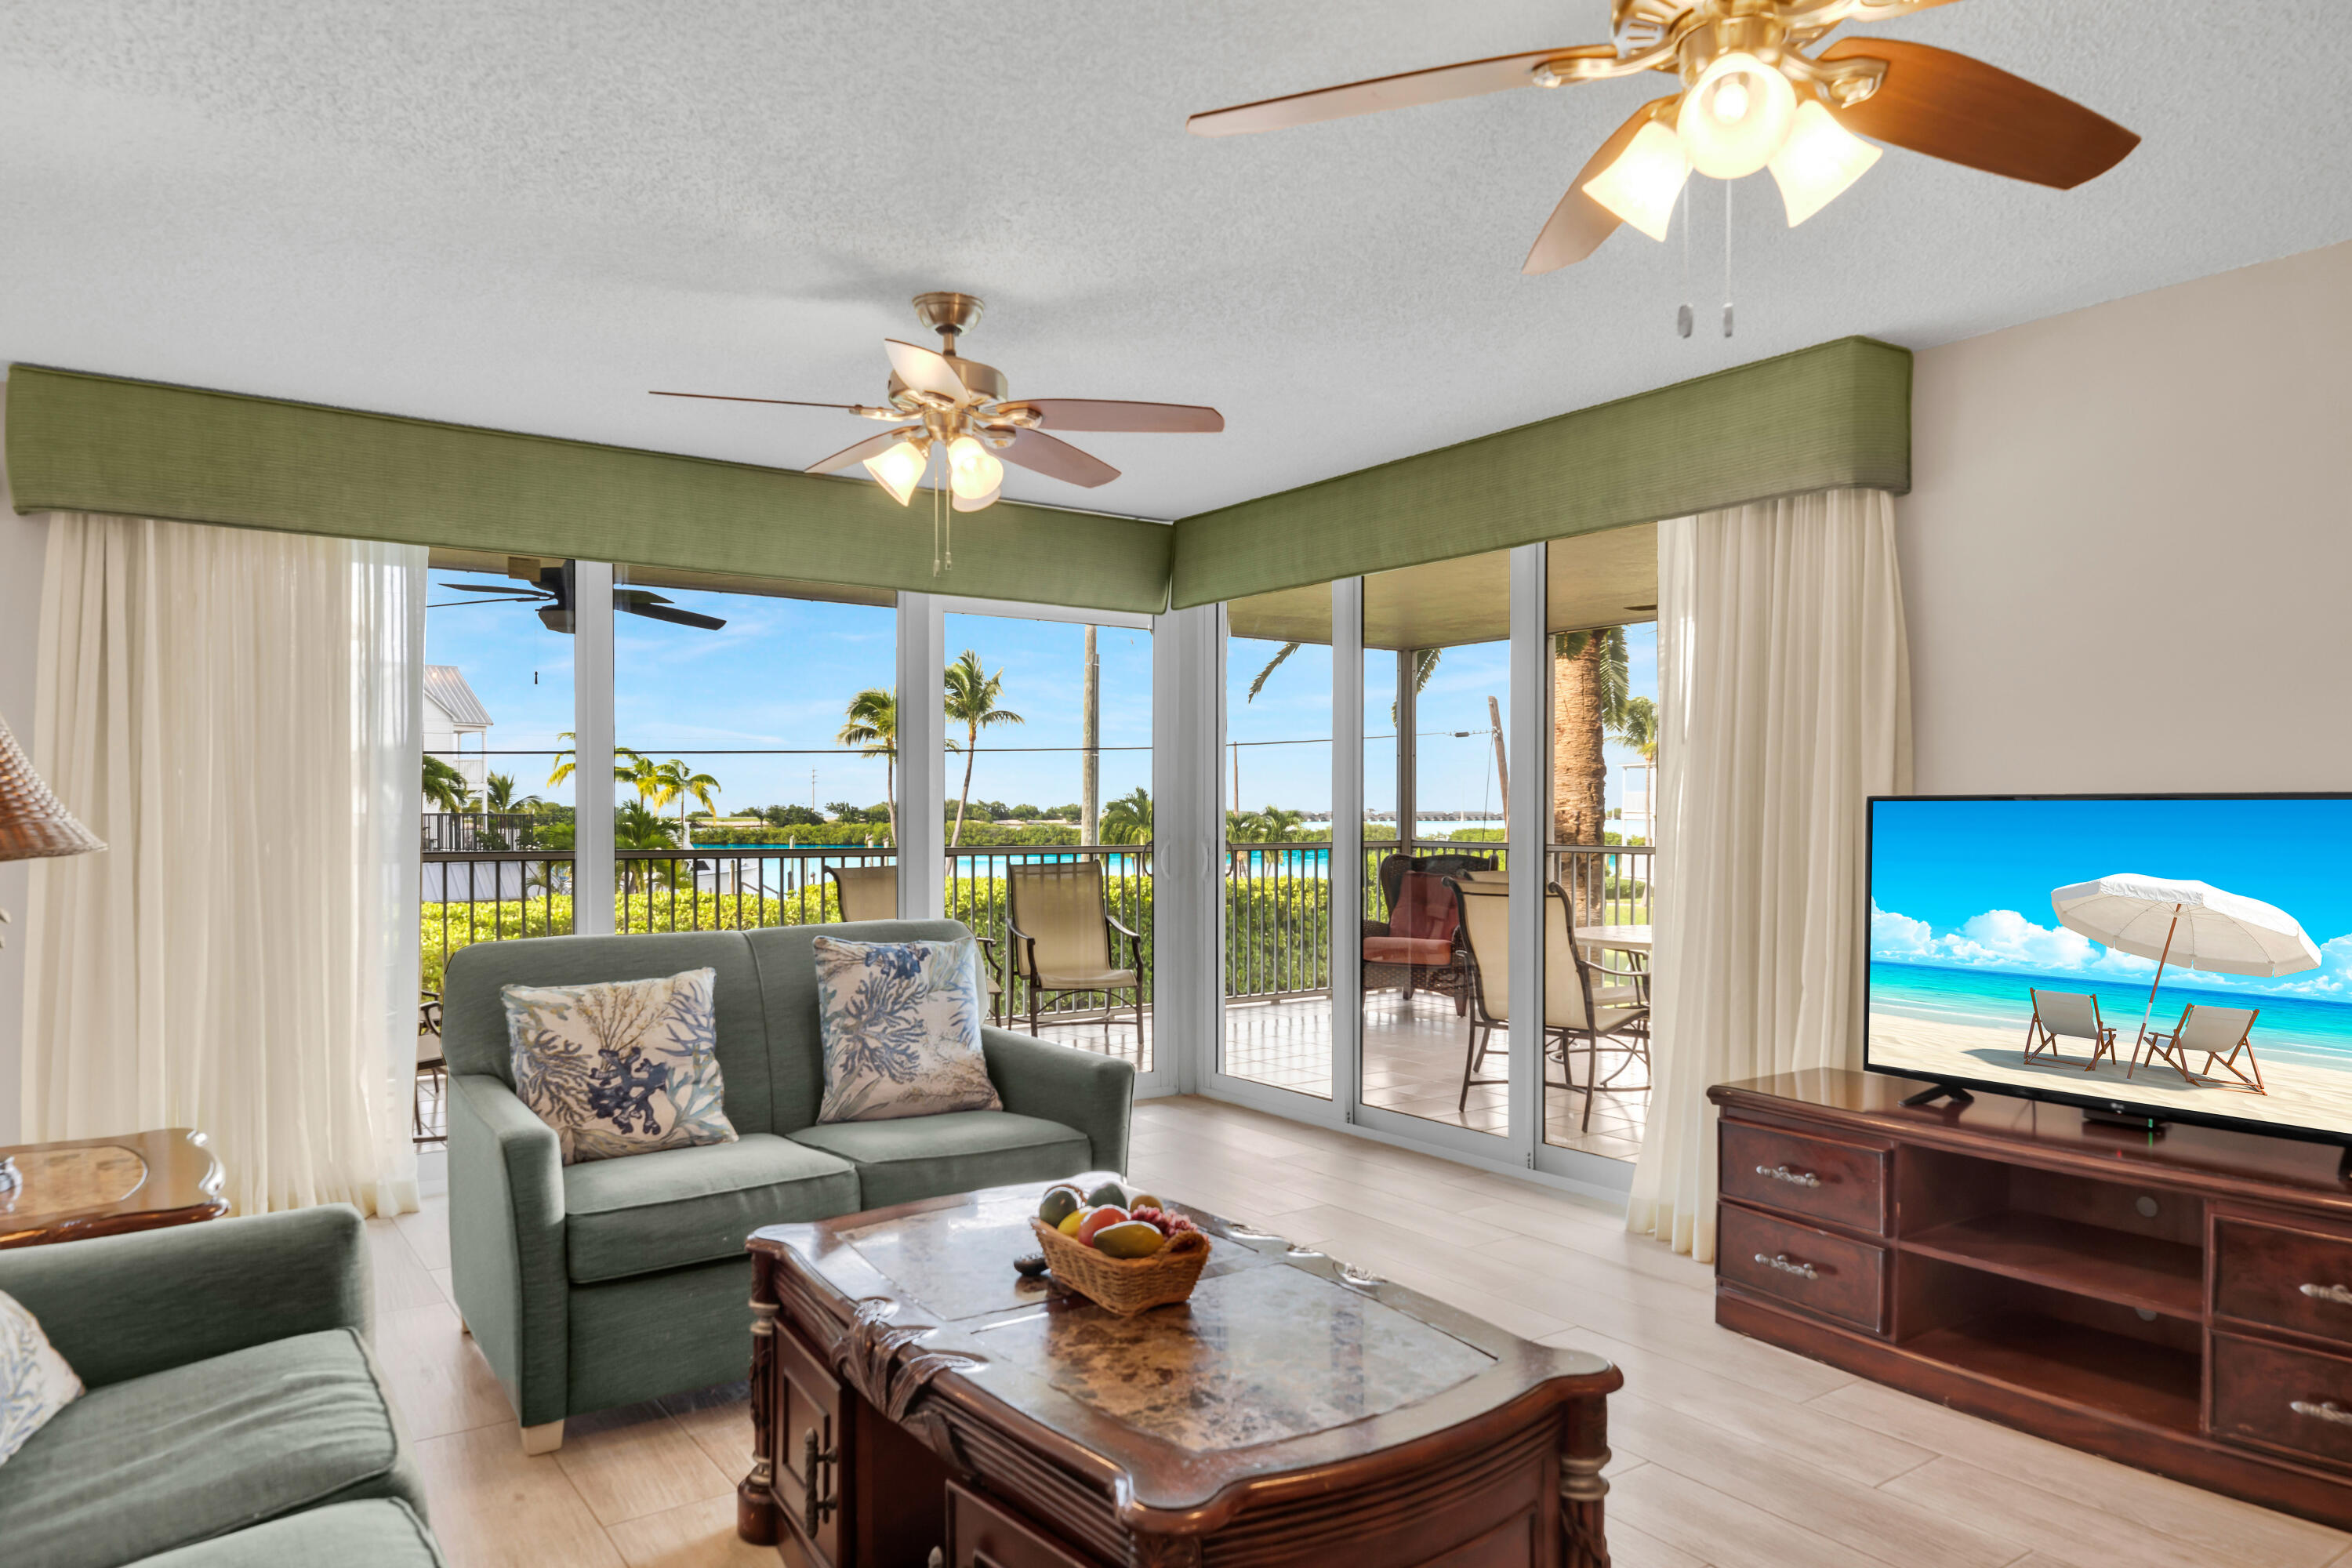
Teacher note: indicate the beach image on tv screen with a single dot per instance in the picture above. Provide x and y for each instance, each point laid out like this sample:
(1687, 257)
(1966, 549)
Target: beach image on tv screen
(2191, 955)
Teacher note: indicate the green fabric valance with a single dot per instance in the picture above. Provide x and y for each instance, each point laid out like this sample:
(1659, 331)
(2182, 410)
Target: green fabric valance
(1836, 417)
(77, 442)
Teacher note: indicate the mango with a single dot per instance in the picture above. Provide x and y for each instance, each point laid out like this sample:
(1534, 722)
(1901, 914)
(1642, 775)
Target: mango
(1071, 1221)
(1099, 1220)
(1059, 1203)
(1143, 1201)
(1107, 1194)
(1132, 1238)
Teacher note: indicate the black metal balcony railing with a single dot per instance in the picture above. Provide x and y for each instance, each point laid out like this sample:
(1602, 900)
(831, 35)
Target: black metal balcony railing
(1278, 935)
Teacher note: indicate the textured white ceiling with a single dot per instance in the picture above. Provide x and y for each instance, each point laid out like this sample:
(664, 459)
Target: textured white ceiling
(525, 215)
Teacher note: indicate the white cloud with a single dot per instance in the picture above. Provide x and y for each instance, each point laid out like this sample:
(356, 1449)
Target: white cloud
(2003, 938)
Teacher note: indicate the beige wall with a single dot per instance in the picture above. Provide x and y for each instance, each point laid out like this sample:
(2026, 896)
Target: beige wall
(2128, 553)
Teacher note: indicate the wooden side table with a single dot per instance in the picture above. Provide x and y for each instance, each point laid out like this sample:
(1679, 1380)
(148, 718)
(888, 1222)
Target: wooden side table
(104, 1187)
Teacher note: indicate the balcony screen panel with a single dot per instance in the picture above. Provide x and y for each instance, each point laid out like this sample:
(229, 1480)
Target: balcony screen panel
(1834, 416)
(94, 443)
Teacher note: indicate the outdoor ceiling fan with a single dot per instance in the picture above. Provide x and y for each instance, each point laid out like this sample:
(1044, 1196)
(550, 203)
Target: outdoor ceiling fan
(550, 587)
(938, 401)
(1751, 99)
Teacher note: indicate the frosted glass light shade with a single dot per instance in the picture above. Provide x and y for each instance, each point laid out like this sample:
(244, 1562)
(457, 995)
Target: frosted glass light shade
(1818, 161)
(899, 470)
(1641, 187)
(1736, 118)
(973, 471)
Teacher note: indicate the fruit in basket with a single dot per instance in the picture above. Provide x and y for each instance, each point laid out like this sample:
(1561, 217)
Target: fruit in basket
(1107, 1195)
(1060, 1203)
(1099, 1220)
(1129, 1238)
(1161, 1220)
(1141, 1201)
(1071, 1221)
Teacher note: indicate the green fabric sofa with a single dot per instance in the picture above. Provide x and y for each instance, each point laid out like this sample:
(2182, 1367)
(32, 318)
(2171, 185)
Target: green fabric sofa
(234, 1416)
(610, 1281)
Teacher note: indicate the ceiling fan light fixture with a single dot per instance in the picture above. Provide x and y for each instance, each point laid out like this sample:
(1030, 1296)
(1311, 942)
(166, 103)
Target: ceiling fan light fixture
(981, 502)
(973, 472)
(1641, 187)
(1818, 161)
(1735, 118)
(899, 468)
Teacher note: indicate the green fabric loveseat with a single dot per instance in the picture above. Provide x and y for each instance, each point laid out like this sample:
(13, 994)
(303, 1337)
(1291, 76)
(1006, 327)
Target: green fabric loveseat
(234, 1417)
(610, 1281)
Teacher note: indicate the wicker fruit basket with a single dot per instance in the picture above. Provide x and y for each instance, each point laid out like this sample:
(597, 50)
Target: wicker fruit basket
(1126, 1285)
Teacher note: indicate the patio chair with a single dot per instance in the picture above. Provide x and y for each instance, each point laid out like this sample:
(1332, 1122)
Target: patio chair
(1064, 940)
(1577, 1014)
(2068, 1015)
(430, 1067)
(2221, 1034)
(1417, 948)
(871, 893)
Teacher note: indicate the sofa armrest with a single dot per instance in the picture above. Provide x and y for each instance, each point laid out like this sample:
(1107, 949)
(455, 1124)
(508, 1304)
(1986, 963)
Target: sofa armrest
(506, 1242)
(1061, 1083)
(120, 1307)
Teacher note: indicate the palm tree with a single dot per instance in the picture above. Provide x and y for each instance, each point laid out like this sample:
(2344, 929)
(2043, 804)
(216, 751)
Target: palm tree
(971, 696)
(623, 772)
(1637, 729)
(637, 827)
(1128, 819)
(498, 793)
(671, 781)
(1424, 664)
(1589, 696)
(872, 722)
(444, 786)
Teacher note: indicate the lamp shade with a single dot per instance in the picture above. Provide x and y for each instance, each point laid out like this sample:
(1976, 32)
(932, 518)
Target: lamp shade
(34, 823)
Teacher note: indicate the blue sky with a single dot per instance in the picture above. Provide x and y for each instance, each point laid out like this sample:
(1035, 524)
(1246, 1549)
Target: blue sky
(781, 671)
(1967, 882)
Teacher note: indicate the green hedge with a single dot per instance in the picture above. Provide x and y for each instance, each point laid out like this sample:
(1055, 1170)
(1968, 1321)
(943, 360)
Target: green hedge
(1267, 948)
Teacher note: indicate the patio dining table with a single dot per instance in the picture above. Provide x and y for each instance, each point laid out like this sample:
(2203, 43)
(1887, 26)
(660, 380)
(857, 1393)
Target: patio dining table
(1623, 939)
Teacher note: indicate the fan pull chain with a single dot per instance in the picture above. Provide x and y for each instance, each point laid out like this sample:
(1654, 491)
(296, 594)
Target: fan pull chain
(935, 531)
(1726, 258)
(1683, 314)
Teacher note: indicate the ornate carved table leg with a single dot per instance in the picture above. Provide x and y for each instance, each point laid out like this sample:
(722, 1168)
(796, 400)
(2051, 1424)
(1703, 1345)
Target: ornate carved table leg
(756, 1518)
(1584, 1449)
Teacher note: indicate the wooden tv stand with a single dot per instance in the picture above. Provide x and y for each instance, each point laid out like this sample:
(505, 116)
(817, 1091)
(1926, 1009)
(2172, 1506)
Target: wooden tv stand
(2182, 1304)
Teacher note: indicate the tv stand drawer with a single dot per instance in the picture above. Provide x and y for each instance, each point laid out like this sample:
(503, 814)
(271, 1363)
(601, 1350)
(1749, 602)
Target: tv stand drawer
(2282, 1276)
(1823, 1179)
(1832, 1274)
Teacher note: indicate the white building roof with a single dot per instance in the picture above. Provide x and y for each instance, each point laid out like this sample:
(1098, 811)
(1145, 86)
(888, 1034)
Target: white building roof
(445, 689)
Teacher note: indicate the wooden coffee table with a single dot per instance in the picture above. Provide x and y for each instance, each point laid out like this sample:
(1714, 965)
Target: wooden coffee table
(909, 1391)
(103, 1186)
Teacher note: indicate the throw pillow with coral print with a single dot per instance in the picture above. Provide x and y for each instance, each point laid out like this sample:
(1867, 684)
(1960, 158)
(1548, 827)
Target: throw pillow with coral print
(622, 1067)
(901, 1028)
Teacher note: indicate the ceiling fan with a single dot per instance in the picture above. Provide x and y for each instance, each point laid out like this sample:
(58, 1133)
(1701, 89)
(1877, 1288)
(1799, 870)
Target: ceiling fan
(1751, 97)
(550, 587)
(958, 406)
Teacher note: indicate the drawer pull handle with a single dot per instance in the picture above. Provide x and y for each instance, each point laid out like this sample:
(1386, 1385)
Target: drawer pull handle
(2330, 1411)
(1797, 1178)
(2335, 1293)
(1805, 1271)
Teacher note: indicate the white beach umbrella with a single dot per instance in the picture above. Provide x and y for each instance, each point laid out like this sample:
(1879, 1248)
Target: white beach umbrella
(2193, 924)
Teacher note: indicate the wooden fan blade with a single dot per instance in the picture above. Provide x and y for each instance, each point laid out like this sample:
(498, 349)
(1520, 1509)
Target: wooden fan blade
(510, 590)
(663, 612)
(1579, 225)
(1965, 111)
(1469, 79)
(1099, 414)
(786, 402)
(925, 371)
(1037, 450)
(872, 446)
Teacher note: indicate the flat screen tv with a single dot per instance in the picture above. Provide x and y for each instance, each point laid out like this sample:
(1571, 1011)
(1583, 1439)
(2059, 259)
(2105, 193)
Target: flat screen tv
(2182, 958)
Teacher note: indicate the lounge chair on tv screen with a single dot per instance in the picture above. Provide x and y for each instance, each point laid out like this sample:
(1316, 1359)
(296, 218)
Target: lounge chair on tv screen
(2221, 1035)
(2068, 1015)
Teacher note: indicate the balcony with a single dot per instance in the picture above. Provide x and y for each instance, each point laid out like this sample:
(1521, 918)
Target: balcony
(1278, 970)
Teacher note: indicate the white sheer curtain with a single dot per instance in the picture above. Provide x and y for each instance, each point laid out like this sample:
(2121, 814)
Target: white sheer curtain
(238, 714)
(1785, 695)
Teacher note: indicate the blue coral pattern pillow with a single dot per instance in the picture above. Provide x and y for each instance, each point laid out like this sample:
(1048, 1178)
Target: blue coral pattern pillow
(620, 1067)
(35, 1381)
(901, 1025)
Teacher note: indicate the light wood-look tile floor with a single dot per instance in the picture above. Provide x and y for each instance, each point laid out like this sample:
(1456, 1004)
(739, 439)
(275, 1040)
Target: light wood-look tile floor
(1729, 1454)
